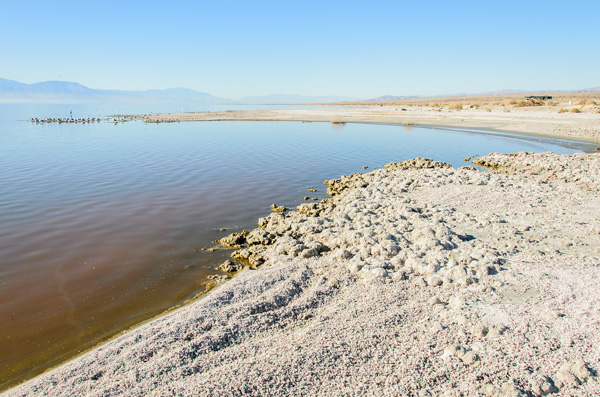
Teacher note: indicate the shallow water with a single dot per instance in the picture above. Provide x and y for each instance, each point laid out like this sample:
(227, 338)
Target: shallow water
(101, 225)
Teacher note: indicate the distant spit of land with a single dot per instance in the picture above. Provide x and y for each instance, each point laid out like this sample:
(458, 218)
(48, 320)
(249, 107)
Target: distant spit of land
(574, 116)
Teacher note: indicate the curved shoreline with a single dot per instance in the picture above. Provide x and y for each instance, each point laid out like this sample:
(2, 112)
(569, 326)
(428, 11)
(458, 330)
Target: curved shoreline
(414, 278)
(538, 121)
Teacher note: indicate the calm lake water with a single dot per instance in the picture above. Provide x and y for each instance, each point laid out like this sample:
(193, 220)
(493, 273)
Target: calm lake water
(102, 225)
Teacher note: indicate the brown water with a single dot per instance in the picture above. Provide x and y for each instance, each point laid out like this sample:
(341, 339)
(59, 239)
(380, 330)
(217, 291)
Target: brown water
(102, 225)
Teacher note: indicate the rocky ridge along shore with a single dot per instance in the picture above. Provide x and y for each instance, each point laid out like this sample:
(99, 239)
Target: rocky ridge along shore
(415, 279)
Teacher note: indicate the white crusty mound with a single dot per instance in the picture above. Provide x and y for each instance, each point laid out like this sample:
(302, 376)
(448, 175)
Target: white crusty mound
(417, 279)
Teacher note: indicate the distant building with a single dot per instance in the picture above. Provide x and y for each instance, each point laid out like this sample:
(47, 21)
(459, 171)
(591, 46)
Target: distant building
(538, 98)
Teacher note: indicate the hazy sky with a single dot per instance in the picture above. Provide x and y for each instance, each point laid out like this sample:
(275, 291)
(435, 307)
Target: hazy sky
(362, 49)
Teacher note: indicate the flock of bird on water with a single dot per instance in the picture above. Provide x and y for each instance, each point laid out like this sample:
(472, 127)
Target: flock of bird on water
(66, 120)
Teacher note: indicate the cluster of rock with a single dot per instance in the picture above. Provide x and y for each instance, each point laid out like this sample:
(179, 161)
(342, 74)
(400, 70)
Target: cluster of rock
(377, 229)
(378, 233)
(416, 163)
(579, 168)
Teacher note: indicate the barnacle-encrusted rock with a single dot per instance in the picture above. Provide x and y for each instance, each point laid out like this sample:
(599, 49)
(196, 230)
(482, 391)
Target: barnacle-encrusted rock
(415, 163)
(316, 209)
(234, 239)
(276, 208)
(354, 181)
(229, 266)
(251, 255)
(275, 223)
(259, 236)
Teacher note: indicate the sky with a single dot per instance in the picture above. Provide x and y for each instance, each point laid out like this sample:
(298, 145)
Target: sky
(360, 49)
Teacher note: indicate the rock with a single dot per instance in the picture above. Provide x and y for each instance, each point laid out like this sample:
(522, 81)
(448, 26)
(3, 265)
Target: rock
(415, 163)
(234, 239)
(354, 181)
(275, 208)
(308, 253)
(580, 369)
(315, 209)
(251, 255)
(259, 236)
(420, 282)
(496, 330)
(436, 327)
(479, 330)
(543, 386)
(218, 277)
(229, 266)
(572, 374)
(434, 281)
(333, 283)
(469, 357)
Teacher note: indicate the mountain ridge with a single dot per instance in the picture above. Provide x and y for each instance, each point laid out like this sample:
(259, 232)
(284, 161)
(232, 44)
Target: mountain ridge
(70, 92)
(56, 91)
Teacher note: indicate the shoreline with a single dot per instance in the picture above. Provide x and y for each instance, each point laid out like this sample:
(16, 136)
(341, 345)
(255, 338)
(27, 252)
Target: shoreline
(546, 120)
(585, 129)
(474, 265)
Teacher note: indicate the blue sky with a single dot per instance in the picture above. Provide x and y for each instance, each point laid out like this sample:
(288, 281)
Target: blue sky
(362, 49)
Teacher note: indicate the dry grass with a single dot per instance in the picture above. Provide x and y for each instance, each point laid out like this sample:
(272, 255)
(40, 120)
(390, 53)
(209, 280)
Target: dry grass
(563, 110)
(531, 102)
(575, 110)
(584, 102)
(484, 100)
(456, 106)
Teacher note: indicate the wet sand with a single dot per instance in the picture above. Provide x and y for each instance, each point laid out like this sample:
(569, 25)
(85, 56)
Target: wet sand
(415, 279)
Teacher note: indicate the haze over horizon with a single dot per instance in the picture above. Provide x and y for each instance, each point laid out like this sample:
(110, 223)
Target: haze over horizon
(234, 49)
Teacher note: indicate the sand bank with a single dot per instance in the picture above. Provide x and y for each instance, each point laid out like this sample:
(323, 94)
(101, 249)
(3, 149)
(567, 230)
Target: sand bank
(544, 120)
(417, 279)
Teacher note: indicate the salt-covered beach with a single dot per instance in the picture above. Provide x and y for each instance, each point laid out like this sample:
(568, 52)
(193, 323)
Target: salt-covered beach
(571, 116)
(414, 279)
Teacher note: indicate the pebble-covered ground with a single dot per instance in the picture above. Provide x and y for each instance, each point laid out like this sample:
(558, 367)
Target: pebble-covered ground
(416, 279)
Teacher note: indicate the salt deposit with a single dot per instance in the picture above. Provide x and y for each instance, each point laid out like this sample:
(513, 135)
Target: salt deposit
(415, 279)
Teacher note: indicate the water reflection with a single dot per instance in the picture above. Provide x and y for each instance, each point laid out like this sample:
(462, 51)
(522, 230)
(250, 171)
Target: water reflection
(337, 125)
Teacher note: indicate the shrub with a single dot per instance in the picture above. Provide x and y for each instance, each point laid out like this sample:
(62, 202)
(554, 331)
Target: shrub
(575, 110)
(563, 110)
(456, 106)
(531, 102)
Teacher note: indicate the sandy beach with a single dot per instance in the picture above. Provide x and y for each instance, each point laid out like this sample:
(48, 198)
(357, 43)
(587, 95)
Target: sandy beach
(414, 279)
(568, 116)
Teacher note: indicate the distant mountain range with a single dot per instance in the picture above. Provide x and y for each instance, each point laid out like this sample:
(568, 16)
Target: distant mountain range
(68, 92)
